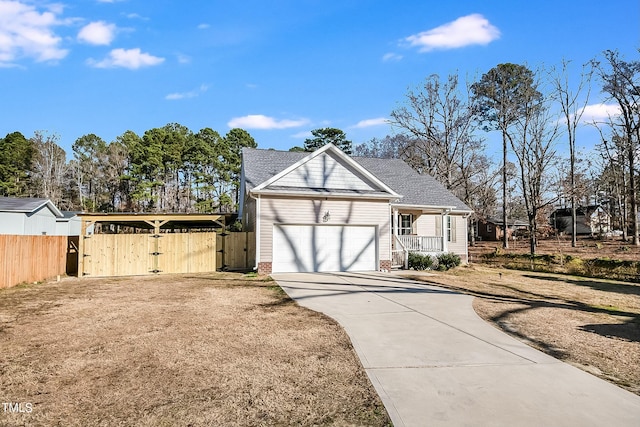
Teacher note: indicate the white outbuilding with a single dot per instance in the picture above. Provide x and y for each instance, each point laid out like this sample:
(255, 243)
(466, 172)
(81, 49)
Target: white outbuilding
(28, 216)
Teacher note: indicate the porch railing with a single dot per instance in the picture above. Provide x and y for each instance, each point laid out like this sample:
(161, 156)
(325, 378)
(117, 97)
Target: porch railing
(421, 243)
(399, 255)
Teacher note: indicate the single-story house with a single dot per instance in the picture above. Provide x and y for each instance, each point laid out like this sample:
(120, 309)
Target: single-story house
(28, 216)
(69, 224)
(491, 229)
(326, 211)
(592, 219)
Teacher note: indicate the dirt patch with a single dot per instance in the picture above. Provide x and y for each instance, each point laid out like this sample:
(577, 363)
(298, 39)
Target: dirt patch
(195, 350)
(591, 323)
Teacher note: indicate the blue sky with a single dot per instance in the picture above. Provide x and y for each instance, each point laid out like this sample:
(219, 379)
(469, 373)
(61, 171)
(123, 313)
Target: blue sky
(276, 68)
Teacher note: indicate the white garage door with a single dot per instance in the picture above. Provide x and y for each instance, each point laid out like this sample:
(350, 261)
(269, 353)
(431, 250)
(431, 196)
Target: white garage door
(309, 248)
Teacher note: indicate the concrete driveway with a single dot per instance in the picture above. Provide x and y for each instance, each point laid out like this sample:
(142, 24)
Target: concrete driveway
(434, 362)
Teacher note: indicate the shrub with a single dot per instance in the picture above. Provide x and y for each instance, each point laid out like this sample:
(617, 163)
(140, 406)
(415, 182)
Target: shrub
(418, 261)
(447, 261)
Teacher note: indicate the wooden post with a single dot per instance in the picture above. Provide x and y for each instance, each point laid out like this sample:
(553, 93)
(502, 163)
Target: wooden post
(81, 247)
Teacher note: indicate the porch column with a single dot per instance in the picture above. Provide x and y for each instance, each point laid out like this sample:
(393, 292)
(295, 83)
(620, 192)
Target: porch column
(395, 222)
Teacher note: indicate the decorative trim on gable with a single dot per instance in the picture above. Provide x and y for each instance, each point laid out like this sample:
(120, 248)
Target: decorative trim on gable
(386, 191)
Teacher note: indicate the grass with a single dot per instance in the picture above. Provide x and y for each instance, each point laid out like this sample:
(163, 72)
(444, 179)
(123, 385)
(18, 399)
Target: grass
(593, 324)
(197, 350)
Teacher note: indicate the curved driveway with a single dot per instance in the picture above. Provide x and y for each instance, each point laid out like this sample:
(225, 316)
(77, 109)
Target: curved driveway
(434, 362)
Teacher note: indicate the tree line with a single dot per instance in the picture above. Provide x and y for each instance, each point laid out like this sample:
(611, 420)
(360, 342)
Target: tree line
(441, 130)
(167, 169)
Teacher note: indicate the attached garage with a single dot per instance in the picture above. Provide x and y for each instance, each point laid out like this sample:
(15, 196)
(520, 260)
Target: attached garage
(320, 248)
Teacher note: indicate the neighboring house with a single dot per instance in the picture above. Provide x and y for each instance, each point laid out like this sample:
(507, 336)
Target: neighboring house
(491, 229)
(591, 219)
(69, 224)
(28, 216)
(326, 211)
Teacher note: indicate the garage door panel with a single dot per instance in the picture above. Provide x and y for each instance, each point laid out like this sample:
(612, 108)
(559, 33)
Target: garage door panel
(300, 248)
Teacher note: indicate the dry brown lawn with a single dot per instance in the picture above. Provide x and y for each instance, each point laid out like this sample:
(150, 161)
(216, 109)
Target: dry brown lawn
(200, 350)
(587, 247)
(593, 324)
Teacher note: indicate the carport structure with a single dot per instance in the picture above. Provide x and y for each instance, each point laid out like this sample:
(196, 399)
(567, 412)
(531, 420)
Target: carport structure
(146, 243)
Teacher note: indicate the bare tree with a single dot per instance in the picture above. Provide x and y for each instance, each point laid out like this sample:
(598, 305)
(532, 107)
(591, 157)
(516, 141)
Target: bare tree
(621, 82)
(533, 145)
(440, 123)
(572, 107)
(501, 95)
(49, 167)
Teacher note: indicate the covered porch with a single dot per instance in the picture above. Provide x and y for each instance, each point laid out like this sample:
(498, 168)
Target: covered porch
(423, 230)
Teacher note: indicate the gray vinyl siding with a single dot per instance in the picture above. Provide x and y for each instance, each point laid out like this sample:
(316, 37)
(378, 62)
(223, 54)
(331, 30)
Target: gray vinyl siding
(283, 210)
(12, 222)
(37, 223)
(323, 171)
(249, 214)
(42, 221)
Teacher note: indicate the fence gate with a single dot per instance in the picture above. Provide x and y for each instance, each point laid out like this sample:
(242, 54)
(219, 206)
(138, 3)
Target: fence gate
(140, 244)
(238, 250)
(119, 255)
(139, 254)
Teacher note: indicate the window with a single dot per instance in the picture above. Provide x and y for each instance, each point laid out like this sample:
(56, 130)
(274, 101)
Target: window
(451, 229)
(406, 224)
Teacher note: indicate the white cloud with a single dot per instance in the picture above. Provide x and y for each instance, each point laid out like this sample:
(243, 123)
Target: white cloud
(306, 134)
(464, 31)
(259, 121)
(191, 94)
(97, 33)
(183, 59)
(599, 112)
(203, 26)
(26, 32)
(372, 122)
(136, 16)
(127, 58)
(387, 57)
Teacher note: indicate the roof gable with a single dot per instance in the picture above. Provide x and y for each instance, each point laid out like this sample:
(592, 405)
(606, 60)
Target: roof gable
(27, 205)
(260, 167)
(327, 169)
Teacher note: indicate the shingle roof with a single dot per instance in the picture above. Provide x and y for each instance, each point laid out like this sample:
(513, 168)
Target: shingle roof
(416, 189)
(26, 205)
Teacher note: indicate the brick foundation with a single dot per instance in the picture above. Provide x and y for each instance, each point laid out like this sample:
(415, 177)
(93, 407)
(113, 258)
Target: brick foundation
(264, 268)
(385, 264)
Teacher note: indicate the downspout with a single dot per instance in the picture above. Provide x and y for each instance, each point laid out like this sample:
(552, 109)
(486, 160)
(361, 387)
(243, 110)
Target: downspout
(257, 199)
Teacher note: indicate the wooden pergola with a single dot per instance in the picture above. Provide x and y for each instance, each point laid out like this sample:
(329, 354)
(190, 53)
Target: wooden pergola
(152, 223)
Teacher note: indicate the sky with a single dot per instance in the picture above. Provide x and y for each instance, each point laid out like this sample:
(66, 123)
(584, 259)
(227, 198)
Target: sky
(277, 68)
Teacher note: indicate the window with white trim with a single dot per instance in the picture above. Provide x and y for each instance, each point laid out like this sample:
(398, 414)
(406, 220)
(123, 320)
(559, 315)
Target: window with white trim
(451, 229)
(405, 225)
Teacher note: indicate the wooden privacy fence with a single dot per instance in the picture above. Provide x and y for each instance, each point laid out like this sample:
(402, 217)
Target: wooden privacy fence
(239, 249)
(141, 254)
(31, 258)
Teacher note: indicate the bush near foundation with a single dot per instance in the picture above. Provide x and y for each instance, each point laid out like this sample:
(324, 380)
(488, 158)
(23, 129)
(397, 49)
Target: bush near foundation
(418, 261)
(448, 261)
